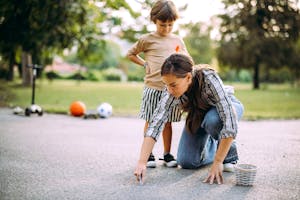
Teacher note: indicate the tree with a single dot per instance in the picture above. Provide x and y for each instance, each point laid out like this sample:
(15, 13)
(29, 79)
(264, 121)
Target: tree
(101, 55)
(40, 28)
(36, 26)
(95, 47)
(259, 33)
(198, 42)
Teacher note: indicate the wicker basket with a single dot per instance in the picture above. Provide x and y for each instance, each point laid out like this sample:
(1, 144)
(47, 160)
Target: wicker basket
(245, 174)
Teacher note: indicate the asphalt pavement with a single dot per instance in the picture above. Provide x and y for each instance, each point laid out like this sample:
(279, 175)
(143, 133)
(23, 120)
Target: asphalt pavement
(64, 157)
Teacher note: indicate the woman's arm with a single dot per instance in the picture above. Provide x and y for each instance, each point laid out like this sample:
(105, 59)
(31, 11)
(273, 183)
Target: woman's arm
(147, 146)
(221, 100)
(156, 124)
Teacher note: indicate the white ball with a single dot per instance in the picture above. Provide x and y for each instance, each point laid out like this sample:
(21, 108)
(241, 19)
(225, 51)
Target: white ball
(105, 110)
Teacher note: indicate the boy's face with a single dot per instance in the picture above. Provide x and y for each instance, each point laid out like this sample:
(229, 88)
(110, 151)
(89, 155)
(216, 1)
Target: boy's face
(164, 28)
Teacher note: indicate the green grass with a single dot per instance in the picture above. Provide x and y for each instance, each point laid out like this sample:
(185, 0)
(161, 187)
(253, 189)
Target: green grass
(271, 102)
(56, 96)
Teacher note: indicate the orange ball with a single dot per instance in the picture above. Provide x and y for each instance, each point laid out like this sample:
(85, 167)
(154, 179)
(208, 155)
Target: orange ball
(77, 108)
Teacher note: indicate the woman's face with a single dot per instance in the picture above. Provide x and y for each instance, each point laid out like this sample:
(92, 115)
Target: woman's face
(177, 86)
(164, 28)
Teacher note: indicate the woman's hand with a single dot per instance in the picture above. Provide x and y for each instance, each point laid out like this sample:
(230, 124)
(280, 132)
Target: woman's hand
(140, 172)
(216, 170)
(215, 173)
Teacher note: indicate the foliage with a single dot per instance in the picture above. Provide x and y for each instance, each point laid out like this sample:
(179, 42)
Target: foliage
(93, 49)
(6, 94)
(52, 75)
(90, 76)
(234, 75)
(135, 76)
(198, 42)
(43, 28)
(282, 75)
(39, 27)
(112, 74)
(259, 33)
(98, 55)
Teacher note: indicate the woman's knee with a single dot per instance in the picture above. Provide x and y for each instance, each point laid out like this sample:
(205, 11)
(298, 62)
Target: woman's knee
(238, 107)
(212, 123)
(239, 110)
(186, 163)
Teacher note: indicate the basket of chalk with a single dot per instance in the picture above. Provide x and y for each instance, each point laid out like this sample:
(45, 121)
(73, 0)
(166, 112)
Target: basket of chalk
(245, 174)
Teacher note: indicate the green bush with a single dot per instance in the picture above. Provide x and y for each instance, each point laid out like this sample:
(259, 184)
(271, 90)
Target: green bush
(229, 75)
(244, 76)
(77, 76)
(112, 74)
(3, 73)
(52, 75)
(135, 76)
(91, 77)
(280, 75)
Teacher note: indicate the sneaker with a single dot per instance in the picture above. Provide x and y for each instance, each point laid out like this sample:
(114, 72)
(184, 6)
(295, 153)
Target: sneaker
(151, 161)
(169, 160)
(229, 167)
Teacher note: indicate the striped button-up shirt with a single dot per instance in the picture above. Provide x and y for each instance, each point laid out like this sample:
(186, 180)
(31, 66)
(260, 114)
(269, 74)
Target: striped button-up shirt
(213, 92)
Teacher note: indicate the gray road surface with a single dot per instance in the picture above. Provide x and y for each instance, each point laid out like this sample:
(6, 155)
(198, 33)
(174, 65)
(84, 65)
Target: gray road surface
(63, 157)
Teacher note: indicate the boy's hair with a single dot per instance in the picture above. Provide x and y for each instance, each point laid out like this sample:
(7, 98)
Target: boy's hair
(164, 10)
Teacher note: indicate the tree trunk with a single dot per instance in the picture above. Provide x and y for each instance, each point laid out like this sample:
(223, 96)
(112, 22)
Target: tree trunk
(11, 64)
(26, 71)
(256, 76)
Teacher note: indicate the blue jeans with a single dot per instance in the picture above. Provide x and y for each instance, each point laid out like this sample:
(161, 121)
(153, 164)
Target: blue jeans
(198, 149)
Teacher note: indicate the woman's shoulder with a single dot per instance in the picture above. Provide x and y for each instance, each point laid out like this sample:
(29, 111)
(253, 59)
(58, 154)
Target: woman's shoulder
(204, 68)
(203, 72)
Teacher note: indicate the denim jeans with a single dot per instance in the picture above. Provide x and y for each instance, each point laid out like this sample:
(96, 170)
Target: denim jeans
(198, 149)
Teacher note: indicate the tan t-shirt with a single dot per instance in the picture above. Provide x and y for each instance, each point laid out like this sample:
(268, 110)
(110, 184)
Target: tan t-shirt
(156, 49)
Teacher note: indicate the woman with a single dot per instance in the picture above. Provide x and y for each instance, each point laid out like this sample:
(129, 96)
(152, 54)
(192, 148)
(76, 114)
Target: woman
(211, 123)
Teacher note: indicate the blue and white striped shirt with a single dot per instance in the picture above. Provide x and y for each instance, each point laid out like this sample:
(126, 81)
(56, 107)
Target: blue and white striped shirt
(214, 93)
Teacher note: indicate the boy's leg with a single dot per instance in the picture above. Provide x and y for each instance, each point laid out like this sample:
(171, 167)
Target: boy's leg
(167, 137)
(167, 140)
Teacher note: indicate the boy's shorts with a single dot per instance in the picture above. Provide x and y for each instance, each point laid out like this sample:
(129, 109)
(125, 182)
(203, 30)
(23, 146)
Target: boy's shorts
(150, 100)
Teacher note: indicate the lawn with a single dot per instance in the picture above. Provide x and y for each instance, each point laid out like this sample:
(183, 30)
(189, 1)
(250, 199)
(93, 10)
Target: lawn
(271, 102)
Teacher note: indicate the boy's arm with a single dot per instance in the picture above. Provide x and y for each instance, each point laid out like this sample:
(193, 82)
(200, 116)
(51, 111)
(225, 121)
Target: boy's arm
(135, 50)
(137, 59)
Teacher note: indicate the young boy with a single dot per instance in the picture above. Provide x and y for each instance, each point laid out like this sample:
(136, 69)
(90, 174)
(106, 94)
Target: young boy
(157, 46)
